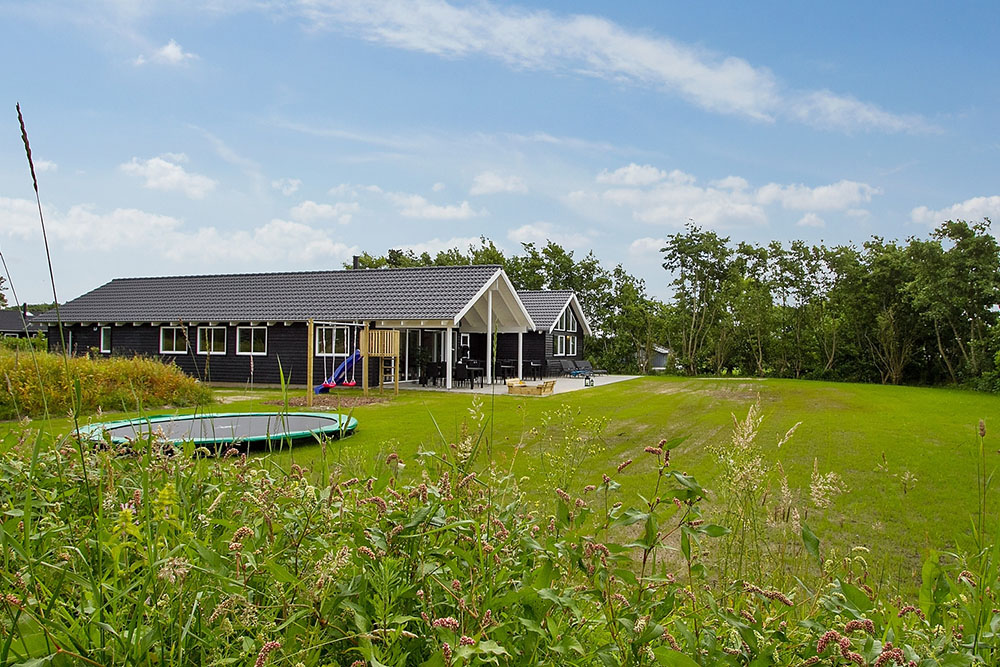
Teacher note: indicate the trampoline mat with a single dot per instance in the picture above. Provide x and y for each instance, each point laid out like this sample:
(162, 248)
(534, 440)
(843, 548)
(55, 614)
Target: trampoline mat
(229, 428)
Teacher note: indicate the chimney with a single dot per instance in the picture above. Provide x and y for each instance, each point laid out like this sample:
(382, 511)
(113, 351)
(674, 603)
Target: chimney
(24, 310)
(357, 262)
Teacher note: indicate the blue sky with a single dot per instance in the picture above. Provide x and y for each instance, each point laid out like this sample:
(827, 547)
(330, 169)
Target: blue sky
(232, 136)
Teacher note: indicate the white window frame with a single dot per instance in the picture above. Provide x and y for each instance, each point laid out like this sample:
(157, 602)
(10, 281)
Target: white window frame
(239, 340)
(465, 340)
(321, 350)
(214, 333)
(559, 343)
(178, 331)
(106, 330)
(570, 320)
(571, 346)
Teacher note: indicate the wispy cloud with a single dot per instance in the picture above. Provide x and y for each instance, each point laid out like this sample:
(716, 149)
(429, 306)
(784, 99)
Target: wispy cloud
(594, 46)
(489, 182)
(286, 186)
(811, 220)
(165, 173)
(309, 211)
(170, 53)
(973, 209)
(415, 206)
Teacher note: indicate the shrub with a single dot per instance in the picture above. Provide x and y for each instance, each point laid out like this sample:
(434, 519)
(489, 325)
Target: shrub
(117, 383)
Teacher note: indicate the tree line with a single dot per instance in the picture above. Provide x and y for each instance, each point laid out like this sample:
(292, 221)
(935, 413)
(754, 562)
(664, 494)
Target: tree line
(921, 311)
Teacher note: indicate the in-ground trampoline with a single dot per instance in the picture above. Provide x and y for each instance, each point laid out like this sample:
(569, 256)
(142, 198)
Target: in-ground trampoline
(217, 429)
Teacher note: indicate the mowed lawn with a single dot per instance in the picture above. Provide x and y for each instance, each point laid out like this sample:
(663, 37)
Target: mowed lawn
(845, 428)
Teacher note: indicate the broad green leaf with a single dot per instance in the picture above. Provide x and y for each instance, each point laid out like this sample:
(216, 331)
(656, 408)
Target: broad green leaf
(811, 543)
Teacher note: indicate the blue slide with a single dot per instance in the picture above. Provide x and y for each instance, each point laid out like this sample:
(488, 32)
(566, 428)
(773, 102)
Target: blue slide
(340, 375)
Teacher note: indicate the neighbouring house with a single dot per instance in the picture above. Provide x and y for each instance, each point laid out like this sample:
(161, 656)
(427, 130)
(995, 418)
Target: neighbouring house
(18, 323)
(658, 358)
(240, 328)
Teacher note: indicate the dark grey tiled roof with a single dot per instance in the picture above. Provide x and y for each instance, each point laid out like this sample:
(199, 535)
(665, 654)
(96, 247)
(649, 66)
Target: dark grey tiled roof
(544, 306)
(437, 292)
(10, 322)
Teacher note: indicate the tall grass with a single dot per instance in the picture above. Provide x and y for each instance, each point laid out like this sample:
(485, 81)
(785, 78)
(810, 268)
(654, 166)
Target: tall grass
(116, 383)
(232, 560)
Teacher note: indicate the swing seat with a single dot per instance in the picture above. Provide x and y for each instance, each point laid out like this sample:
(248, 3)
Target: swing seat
(329, 385)
(350, 383)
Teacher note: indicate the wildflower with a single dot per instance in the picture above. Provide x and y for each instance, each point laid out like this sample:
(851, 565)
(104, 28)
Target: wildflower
(624, 464)
(618, 597)
(656, 451)
(365, 551)
(911, 609)
(351, 482)
(822, 488)
(860, 624)
(565, 496)
(392, 457)
(456, 585)
(589, 488)
(449, 622)
(465, 480)
(824, 641)
(968, 576)
(889, 654)
(358, 663)
(982, 428)
(466, 641)
(669, 638)
(11, 600)
(487, 618)
(640, 624)
(265, 650)
(605, 479)
(380, 503)
(446, 652)
(580, 504)
(174, 570)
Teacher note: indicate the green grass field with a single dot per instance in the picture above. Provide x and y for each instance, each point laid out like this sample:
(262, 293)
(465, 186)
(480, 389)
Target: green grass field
(846, 428)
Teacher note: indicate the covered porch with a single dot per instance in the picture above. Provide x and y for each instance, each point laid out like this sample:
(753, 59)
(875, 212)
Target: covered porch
(437, 350)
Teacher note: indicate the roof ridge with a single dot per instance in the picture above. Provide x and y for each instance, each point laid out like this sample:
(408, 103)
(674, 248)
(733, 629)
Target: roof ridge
(382, 269)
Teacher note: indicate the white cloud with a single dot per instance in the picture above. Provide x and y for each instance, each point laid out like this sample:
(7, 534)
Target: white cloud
(594, 46)
(438, 187)
(164, 173)
(415, 206)
(274, 243)
(83, 227)
(435, 245)
(839, 195)
(541, 232)
(286, 186)
(811, 220)
(308, 211)
(645, 246)
(970, 210)
(42, 166)
(658, 196)
(170, 53)
(488, 183)
(858, 213)
(632, 174)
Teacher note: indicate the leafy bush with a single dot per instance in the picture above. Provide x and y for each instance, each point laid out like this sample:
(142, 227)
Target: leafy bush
(117, 383)
(175, 558)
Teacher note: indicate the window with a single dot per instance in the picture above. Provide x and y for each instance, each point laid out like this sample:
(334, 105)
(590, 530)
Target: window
(463, 343)
(571, 345)
(558, 346)
(251, 340)
(561, 324)
(106, 340)
(570, 321)
(211, 340)
(173, 340)
(331, 341)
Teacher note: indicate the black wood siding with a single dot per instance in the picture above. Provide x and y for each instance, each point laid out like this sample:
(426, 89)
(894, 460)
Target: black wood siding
(286, 344)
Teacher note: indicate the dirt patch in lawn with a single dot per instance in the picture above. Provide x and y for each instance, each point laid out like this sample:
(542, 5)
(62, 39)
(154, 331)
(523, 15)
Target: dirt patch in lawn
(328, 402)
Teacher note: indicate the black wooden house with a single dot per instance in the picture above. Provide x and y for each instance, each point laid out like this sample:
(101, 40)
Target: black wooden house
(239, 328)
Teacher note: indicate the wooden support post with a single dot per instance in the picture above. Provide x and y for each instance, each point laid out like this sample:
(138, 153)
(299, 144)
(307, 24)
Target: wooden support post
(520, 355)
(310, 328)
(489, 335)
(364, 359)
(447, 356)
(396, 342)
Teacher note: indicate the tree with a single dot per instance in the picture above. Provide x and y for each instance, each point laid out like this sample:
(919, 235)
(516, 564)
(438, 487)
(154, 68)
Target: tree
(702, 268)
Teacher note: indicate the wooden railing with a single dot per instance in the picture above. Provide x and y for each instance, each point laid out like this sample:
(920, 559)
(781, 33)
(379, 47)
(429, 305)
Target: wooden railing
(381, 343)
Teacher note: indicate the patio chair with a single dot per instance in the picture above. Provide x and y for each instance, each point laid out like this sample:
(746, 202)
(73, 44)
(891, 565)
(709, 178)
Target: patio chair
(462, 375)
(587, 367)
(568, 367)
